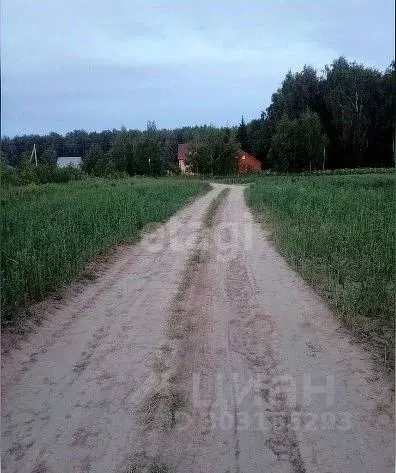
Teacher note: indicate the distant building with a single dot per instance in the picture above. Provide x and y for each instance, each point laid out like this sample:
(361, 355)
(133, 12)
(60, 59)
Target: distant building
(65, 161)
(246, 162)
(182, 157)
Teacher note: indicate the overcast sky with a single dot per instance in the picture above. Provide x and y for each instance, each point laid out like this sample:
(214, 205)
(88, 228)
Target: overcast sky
(99, 64)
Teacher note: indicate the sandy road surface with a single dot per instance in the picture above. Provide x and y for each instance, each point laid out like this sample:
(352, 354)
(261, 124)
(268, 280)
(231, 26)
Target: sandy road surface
(199, 350)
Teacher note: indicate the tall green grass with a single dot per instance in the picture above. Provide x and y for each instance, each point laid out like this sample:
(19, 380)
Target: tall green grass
(339, 233)
(254, 177)
(50, 232)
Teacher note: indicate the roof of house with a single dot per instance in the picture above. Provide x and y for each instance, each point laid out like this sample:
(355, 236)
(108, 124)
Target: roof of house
(244, 153)
(182, 152)
(64, 161)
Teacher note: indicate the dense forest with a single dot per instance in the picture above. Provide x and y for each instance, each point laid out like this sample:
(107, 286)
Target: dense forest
(342, 117)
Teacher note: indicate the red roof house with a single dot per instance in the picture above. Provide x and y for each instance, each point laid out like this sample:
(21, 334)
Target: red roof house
(247, 163)
(182, 156)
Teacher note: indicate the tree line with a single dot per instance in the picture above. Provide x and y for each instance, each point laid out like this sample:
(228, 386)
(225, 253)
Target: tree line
(342, 117)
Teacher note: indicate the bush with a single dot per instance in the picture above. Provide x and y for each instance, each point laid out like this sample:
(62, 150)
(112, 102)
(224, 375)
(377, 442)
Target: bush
(8, 175)
(46, 173)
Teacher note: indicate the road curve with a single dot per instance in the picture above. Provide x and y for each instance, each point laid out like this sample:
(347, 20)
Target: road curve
(197, 350)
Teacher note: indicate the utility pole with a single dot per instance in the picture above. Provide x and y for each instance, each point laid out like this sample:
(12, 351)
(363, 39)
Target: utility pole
(34, 153)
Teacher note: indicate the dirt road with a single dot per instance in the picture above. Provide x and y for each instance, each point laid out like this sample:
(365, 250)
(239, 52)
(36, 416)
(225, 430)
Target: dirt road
(198, 350)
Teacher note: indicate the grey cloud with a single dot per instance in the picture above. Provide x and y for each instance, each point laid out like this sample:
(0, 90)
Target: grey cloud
(99, 64)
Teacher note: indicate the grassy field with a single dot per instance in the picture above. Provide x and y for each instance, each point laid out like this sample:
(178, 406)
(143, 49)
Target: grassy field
(251, 178)
(339, 233)
(50, 232)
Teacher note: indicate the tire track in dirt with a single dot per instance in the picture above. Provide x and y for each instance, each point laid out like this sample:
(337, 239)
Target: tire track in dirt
(160, 410)
(247, 341)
